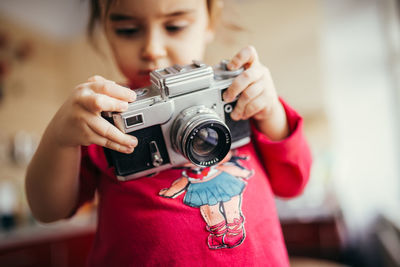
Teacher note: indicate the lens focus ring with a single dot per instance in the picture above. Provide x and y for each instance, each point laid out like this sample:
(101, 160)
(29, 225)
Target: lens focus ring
(201, 136)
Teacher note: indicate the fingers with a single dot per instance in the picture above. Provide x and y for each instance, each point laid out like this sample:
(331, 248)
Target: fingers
(243, 81)
(251, 108)
(99, 94)
(97, 78)
(92, 129)
(255, 106)
(82, 115)
(96, 103)
(254, 86)
(258, 106)
(254, 91)
(111, 136)
(102, 86)
(246, 57)
(102, 141)
(114, 90)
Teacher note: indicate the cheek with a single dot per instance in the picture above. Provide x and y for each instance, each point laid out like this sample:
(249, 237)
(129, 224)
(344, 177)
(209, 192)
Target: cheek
(125, 56)
(189, 47)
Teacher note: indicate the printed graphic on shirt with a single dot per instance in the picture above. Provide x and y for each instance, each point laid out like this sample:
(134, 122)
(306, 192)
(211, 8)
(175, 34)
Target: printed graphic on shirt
(217, 191)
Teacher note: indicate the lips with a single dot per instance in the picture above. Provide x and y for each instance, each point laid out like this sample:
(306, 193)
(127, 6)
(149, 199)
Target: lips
(145, 72)
(142, 78)
(148, 69)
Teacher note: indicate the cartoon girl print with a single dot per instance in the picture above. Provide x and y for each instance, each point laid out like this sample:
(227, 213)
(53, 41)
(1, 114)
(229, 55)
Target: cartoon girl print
(217, 191)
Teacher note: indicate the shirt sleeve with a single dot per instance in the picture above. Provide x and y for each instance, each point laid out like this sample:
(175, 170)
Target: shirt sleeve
(287, 162)
(87, 179)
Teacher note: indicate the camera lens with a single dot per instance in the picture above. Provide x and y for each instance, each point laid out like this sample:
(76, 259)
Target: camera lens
(205, 141)
(201, 136)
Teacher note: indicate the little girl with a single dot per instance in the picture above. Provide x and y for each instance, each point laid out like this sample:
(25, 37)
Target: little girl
(222, 219)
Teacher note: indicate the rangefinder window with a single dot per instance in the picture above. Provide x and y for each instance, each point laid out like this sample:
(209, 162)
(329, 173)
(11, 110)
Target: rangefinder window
(134, 120)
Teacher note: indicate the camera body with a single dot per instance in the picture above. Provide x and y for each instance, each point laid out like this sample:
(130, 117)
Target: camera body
(180, 118)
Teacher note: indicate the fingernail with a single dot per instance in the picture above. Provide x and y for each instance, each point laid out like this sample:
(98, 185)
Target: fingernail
(128, 150)
(133, 141)
(231, 66)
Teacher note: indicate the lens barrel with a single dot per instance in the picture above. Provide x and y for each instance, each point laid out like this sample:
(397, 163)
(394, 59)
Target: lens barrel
(201, 136)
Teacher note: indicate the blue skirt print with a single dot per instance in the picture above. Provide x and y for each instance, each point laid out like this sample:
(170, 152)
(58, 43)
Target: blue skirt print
(219, 189)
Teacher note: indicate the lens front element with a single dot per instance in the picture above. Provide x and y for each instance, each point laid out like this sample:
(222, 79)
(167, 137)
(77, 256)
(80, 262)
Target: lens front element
(201, 136)
(205, 141)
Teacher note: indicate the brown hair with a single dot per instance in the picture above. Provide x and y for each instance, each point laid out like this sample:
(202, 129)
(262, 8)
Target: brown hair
(98, 6)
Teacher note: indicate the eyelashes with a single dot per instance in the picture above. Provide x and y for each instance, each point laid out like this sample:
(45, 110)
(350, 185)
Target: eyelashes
(175, 28)
(128, 32)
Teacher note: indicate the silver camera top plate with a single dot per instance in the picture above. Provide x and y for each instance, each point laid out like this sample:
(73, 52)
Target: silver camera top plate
(177, 80)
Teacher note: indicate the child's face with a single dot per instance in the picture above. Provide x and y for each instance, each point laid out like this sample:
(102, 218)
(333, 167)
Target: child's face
(148, 34)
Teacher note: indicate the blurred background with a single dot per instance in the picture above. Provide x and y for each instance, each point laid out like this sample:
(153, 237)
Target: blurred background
(336, 61)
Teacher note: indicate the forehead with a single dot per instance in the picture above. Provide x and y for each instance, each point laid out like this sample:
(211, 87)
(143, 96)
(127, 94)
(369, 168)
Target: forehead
(155, 8)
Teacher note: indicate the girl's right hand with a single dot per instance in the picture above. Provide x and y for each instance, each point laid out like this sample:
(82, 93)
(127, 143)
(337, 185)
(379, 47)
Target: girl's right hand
(79, 122)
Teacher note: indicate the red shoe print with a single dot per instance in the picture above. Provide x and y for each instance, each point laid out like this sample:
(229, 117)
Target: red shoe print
(217, 233)
(234, 233)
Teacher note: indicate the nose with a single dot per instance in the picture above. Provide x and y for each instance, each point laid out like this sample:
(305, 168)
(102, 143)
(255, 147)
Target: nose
(154, 46)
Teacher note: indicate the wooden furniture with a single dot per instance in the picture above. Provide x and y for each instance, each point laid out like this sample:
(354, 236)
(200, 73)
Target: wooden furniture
(321, 238)
(62, 244)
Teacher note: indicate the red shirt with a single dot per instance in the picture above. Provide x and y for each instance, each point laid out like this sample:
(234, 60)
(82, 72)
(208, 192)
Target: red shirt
(138, 227)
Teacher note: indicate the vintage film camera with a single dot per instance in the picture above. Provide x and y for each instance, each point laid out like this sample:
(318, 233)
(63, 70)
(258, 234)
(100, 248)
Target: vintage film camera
(180, 118)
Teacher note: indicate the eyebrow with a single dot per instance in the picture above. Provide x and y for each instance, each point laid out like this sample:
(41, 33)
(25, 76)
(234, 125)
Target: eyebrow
(120, 17)
(123, 17)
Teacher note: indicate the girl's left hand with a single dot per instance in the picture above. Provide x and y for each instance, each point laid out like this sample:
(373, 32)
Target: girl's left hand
(258, 97)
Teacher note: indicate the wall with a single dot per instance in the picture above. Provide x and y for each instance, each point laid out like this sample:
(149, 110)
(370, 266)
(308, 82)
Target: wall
(362, 108)
(287, 38)
(36, 88)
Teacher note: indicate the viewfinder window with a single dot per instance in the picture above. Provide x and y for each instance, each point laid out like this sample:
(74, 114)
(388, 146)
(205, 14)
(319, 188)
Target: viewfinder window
(134, 120)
